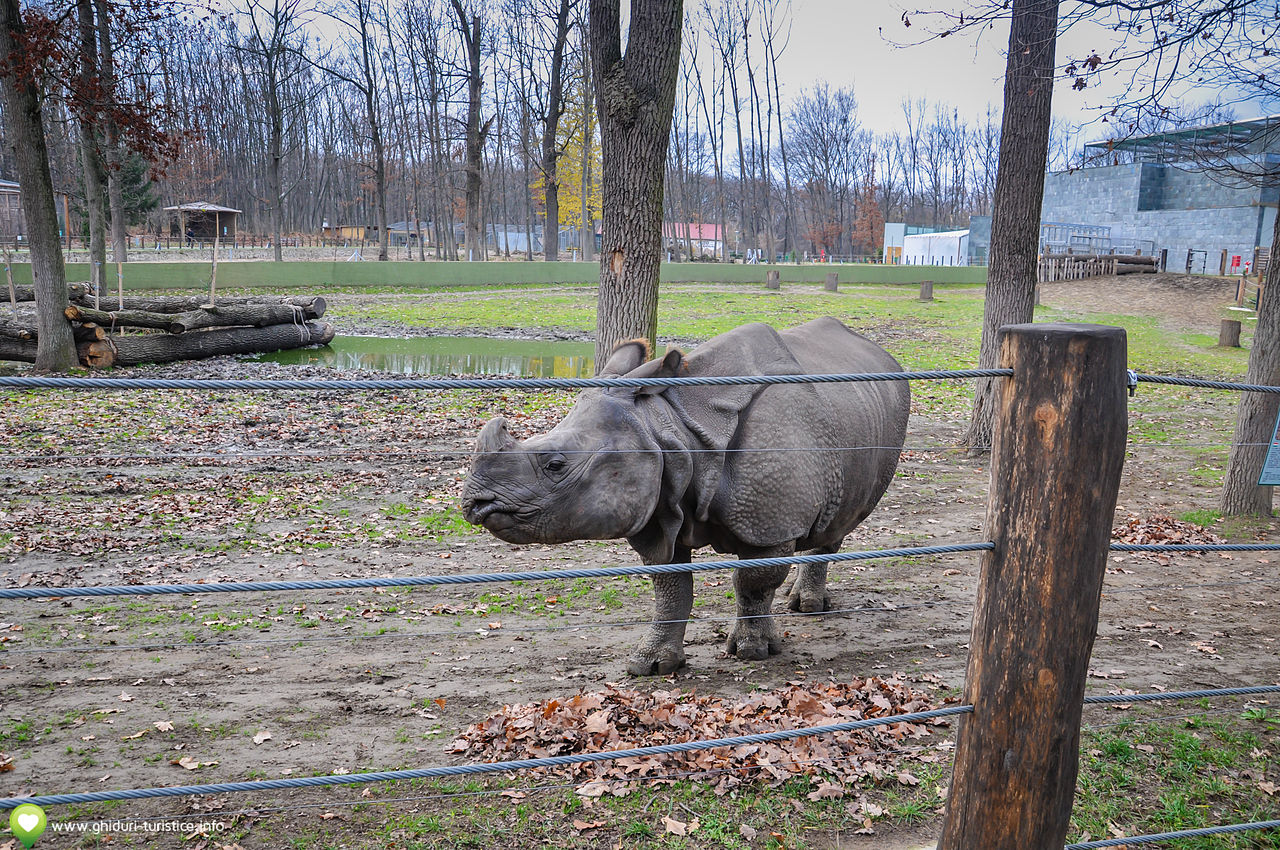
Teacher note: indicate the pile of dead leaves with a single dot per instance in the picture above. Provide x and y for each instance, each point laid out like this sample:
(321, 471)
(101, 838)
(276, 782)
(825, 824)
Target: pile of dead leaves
(620, 718)
(1161, 528)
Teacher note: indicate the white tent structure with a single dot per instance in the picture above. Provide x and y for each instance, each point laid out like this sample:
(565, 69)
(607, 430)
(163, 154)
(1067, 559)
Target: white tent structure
(949, 248)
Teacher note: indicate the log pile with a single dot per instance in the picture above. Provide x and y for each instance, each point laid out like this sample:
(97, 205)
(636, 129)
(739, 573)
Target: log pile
(1054, 267)
(177, 328)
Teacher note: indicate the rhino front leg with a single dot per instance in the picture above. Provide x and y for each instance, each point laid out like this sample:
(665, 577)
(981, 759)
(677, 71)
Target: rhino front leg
(808, 593)
(754, 636)
(662, 650)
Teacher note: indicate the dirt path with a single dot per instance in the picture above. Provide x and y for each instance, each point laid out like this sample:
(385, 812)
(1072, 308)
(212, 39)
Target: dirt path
(1181, 301)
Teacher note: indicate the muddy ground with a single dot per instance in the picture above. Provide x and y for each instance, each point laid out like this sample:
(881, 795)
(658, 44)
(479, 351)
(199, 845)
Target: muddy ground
(329, 485)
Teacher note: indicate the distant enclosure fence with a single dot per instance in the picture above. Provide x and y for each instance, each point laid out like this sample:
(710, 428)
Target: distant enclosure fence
(311, 274)
(1056, 460)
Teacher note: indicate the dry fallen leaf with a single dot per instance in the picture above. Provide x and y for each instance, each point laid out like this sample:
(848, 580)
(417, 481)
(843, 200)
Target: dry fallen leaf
(125, 697)
(262, 736)
(163, 726)
(1268, 788)
(583, 826)
(595, 788)
(747, 832)
(826, 791)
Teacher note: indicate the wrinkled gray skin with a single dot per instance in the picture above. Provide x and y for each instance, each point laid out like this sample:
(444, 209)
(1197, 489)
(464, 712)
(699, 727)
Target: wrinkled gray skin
(676, 469)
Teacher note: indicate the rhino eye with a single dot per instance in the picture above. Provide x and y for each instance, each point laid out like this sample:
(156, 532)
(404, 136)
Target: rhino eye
(556, 463)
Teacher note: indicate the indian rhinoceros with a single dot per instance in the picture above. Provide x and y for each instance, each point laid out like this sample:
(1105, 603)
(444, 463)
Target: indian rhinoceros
(756, 471)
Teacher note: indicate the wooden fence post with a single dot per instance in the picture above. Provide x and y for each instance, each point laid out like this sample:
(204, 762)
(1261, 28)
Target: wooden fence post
(771, 279)
(1056, 458)
(833, 282)
(1229, 333)
(926, 290)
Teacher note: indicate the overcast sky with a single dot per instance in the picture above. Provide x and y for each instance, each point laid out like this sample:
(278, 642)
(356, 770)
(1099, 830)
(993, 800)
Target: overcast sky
(841, 41)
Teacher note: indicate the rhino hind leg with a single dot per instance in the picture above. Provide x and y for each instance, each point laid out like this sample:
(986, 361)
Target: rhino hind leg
(808, 590)
(755, 636)
(662, 650)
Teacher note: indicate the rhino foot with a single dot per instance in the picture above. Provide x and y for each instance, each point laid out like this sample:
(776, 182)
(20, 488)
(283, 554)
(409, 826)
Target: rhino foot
(753, 642)
(807, 601)
(655, 662)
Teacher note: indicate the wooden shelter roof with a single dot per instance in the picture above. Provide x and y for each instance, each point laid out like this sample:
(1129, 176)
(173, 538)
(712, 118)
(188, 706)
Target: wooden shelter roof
(201, 206)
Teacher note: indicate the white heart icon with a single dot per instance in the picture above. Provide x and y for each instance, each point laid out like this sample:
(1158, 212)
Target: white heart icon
(28, 821)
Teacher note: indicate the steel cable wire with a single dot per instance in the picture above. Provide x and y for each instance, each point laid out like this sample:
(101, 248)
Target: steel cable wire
(32, 382)
(479, 578)
(1156, 838)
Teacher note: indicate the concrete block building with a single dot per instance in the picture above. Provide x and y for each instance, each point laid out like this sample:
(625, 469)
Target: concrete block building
(1153, 191)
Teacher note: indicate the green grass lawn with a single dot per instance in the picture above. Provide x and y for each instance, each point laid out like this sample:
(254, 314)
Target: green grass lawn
(942, 333)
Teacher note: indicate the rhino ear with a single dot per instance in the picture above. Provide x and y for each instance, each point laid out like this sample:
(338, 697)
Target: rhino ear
(625, 357)
(494, 436)
(669, 366)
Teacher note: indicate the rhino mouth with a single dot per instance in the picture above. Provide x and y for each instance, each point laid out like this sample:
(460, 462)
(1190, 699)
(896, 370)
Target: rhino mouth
(494, 515)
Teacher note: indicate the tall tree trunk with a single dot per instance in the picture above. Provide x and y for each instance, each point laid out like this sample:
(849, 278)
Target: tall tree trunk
(587, 236)
(90, 156)
(550, 132)
(24, 129)
(1256, 415)
(115, 184)
(379, 170)
(1015, 221)
(636, 98)
(275, 156)
(471, 33)
(788, 229)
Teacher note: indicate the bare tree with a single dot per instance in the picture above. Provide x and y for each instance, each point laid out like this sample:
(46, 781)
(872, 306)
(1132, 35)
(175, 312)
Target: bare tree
(825, 141)
(272, 48)
(111, 135)
(19, 57)
(635, 92)
(88, 100)
(471, 29)
(362, 71)
(551, 148)
(1015, 222)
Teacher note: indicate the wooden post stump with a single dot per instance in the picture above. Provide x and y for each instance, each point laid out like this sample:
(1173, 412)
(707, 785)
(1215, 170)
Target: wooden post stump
(1056, 458)
(926, 290)
(1240, 287)
(772, 279)
(1229, 333)
(833, 282)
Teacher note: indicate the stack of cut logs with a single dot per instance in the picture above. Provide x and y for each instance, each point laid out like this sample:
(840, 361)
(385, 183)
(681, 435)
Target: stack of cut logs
(179, 327)
(1053, 267)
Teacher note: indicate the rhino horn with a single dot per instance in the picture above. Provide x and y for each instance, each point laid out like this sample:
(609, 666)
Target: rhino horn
(494, 436)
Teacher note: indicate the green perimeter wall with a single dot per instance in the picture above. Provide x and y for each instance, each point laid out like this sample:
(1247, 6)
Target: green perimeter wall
(320, 275)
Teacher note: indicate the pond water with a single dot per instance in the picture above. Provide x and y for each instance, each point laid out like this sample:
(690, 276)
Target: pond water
(445, 355)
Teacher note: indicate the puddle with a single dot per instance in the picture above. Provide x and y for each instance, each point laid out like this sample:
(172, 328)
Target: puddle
(447, 355)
